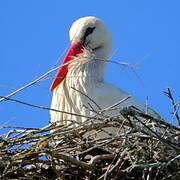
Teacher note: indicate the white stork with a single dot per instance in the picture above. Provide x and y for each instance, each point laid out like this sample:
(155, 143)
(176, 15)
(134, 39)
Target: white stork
(79, 85)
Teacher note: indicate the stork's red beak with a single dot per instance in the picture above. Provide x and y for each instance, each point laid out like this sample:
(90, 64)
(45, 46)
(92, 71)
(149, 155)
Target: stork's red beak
(74, 50)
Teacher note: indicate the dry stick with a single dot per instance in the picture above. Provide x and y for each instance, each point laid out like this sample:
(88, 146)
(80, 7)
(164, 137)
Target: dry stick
(101, 157)
(52, 70)
(115, 104)
(71, 160)
(153, 165)
(15, 132)
(60, 133)
(111, 107)
(94, 102)
(125, 64)
(91, 109)
(174, 147)
(34, 81)
(45, 108)
(144, 166)
(136, 111)
(18, 127)
(170, 144)
(177, 158)
(169, 95)
(116, 166)
(28, 85)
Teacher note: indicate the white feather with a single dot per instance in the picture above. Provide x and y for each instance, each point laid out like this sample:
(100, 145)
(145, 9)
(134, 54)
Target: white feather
(86, 77)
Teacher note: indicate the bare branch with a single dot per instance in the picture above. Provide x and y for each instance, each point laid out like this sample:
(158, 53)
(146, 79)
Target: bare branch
(168, 93)
(44, 108)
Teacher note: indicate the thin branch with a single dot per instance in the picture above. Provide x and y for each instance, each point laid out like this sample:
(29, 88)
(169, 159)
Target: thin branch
(170, 144)
(18, 127)
(92, 100)
(109, 108)
(168, 93)
(28, 85)
(45, 75)
(44, 108)
(71, 160)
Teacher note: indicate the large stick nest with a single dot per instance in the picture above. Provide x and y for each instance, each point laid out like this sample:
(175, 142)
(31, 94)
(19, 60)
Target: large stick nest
(142, 148)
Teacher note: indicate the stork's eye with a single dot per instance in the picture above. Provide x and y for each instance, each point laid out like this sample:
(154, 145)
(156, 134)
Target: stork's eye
(89, 31)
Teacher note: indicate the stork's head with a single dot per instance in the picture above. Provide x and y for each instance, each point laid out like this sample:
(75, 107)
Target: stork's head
(86, 33)
(92, 33)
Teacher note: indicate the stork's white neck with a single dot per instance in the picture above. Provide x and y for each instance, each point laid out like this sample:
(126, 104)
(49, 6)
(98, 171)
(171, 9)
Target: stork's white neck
(85, 74)
(88, 66)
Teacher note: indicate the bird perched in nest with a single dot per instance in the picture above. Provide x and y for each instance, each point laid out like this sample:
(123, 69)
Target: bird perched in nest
(79, 86)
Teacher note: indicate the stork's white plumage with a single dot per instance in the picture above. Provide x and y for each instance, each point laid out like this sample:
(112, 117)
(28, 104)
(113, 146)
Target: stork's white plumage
(82, 74)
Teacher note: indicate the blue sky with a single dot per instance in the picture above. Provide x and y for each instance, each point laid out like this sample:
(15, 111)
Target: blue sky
(33, 34)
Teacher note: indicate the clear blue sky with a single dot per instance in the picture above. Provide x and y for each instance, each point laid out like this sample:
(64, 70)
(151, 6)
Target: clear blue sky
(34, 33)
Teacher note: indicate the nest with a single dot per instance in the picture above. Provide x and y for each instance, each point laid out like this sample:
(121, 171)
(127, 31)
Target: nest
(142, 148)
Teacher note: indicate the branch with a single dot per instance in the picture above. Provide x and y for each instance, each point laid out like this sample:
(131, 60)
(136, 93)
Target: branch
(71, 160)
(44, 108)
(174, 105)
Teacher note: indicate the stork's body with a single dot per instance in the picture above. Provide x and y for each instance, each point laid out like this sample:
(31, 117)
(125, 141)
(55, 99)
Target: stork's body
(79, 87)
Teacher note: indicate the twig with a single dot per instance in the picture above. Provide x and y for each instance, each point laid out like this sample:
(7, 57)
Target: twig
(28, 85)
(144, 166)
(170, 144)
(48, 73)
(34, 81)
(44, 108)
(116, 104)
(71, 160)
(174, 105)
(100, 158)
(116, 166)
(18, 127)
(92, 100)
